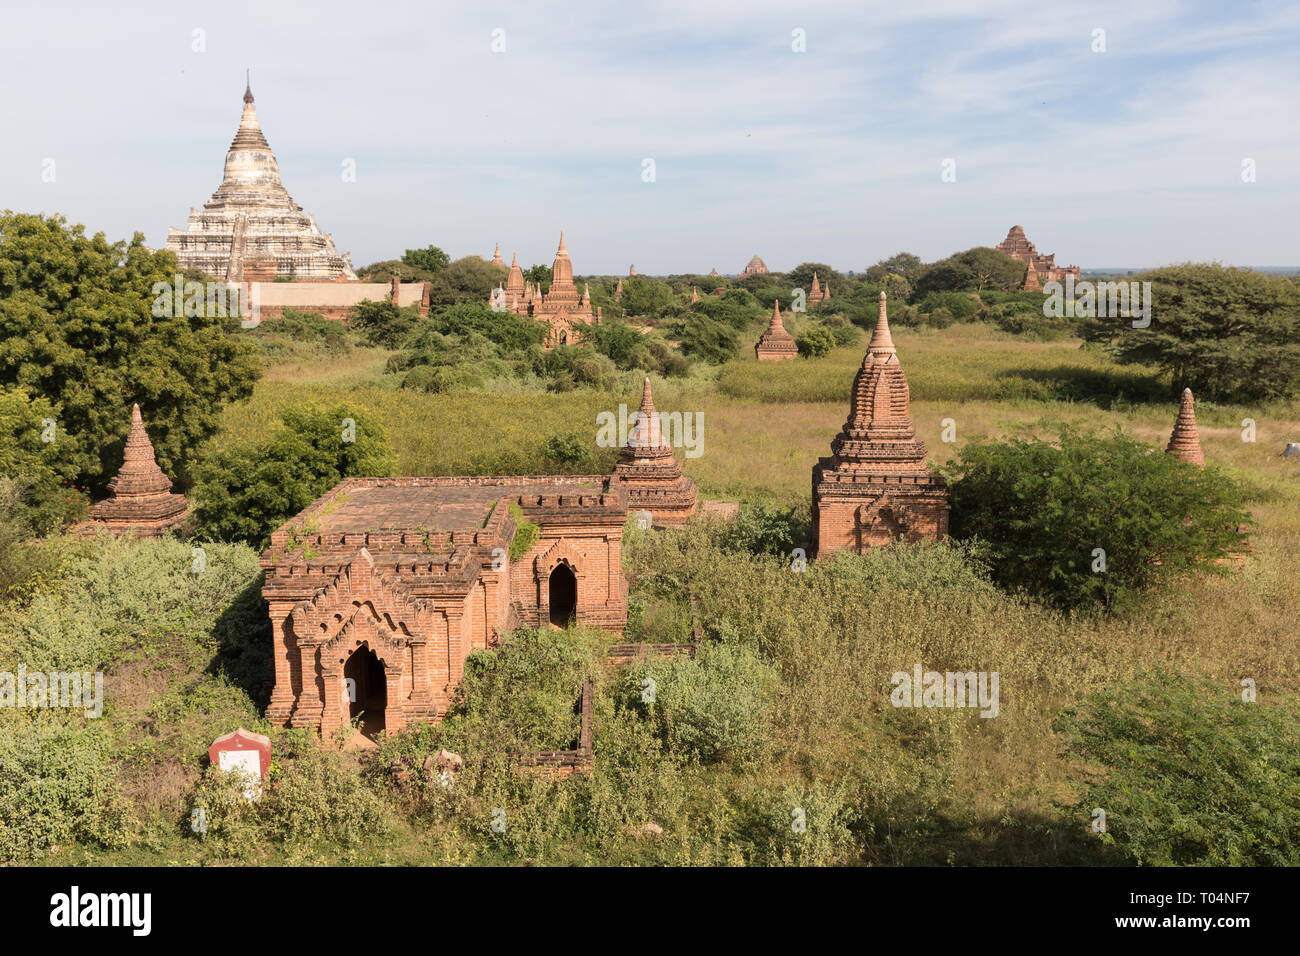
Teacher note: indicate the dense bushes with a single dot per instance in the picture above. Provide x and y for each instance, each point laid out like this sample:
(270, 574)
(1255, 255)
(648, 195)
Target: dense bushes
(815, 341)
(245, 493)
(1090, 520)
(717, 707)
(1188, 773)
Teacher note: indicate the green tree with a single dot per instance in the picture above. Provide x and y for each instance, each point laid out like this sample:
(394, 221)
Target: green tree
(91, 327)
(801, 276)
(382, 323)
(1228, 334)
(902, 264)
(431, 259)
(645, 297)
(245, 493)
(973, 270)
(1092, 520)
(466, 280)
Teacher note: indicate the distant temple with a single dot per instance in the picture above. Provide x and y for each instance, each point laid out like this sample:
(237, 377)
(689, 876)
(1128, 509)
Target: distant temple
(776, 343)
(561, 306)
(1041, 268)
(876, 487)
(140, 502)
(755, 267)
(818, 295)
(251, 229)
(496, 257)
(650, 474)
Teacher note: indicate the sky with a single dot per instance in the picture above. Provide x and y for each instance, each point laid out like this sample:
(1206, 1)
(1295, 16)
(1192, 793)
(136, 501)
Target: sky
(471, 124)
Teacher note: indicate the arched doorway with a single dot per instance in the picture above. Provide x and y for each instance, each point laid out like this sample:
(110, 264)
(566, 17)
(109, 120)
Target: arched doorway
(363, 676)
(563, 595)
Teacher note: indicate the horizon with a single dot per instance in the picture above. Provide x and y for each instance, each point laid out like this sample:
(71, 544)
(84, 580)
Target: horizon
(1134, 154)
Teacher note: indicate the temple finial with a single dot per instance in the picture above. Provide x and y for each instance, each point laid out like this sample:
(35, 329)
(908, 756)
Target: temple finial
(882, 343)
(248, 86)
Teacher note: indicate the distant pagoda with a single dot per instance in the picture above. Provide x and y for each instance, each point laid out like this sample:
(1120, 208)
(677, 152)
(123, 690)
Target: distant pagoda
(140, 502)
(755, 267)
(252, 221)
(876, 487)
(649, 472)
(776, 344)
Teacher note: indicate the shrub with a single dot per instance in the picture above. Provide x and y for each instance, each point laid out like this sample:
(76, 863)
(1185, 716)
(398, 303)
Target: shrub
(568, 451)
(815, 341)
(709, 341)
(717, 707)
(58, 784)
(1045, 508)
(761, 528)
(1188, 773)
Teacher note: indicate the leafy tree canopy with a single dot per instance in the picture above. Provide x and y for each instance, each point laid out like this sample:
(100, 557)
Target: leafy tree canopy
(77, 328)
(975, 269)
(431, 259)
(1228, 334)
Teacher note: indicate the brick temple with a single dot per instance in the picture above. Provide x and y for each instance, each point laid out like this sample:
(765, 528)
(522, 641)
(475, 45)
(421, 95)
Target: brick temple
(251, 229)
(775, 344)
(876, 487)
(754, 267)
(140, 502)
(392, 582)
(1041, 268)
(561, 307)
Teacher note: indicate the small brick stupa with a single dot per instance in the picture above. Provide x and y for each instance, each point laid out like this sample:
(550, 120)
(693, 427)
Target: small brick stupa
(1185, 442)
(140, 502)
(876, 487)
(650, 474)
(496, 257)
(776, 343)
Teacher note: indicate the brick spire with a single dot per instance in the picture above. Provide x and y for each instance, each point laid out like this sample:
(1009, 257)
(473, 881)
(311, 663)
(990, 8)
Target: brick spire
(496, 256)
(879, 430)
(139, 496)
(1185, 442)
(649, 471)
(646, 440)
(816, 287)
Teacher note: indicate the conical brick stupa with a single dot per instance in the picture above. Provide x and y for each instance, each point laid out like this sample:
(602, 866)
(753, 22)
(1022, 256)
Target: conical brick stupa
(140, 500)
(649, 472)
(876, 487)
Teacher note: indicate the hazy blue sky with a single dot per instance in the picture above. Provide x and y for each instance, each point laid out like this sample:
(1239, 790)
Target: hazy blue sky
(1128, 157)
